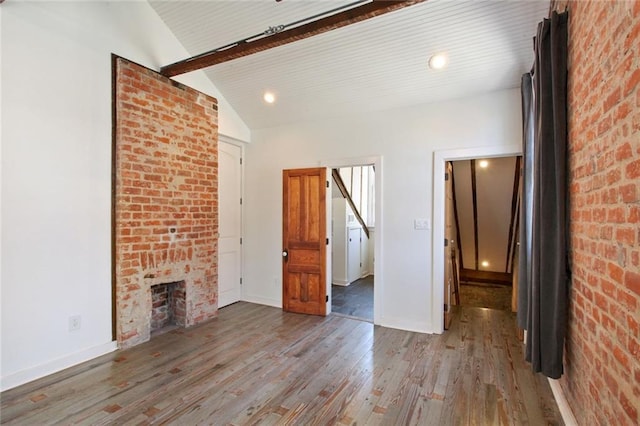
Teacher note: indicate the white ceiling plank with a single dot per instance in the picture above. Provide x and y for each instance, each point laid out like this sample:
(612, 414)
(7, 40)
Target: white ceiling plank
(372, 65)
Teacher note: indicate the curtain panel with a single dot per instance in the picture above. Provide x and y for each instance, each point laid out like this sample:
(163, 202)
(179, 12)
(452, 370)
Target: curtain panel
(544, 265)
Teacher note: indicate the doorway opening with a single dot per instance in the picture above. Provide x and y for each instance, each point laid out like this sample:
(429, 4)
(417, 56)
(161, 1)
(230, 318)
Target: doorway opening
(471, 266)
(352, 233)
(483, 236)
(371, 280)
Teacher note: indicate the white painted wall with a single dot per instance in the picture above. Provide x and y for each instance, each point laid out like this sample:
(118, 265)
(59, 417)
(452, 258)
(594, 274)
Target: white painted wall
(406, 139)
(56, 171)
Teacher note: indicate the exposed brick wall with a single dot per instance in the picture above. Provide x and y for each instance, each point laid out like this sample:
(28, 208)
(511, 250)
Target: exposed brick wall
(602, 378)
(166, 192)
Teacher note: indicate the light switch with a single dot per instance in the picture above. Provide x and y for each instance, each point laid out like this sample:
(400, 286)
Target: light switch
(421, 224)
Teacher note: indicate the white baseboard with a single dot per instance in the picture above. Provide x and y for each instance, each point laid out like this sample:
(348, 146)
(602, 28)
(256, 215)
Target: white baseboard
(563, 405)
(262, 301)
(30, 374)
(401, 324)
(342, 283)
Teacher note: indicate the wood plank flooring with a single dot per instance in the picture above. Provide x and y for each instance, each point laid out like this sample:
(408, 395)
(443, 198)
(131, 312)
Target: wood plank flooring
(258, 365)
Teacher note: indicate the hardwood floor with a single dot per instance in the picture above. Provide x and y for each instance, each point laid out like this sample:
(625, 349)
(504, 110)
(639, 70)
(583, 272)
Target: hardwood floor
(258, 365)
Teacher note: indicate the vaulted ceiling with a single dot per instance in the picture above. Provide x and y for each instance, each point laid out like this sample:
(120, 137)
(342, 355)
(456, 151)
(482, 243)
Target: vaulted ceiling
(377, 64)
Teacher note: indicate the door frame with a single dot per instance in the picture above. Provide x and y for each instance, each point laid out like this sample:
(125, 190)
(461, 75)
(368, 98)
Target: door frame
(440, 159)
(240, 143)
(378, 287)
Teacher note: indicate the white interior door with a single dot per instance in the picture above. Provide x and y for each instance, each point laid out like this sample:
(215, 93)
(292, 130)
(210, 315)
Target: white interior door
(230, 223)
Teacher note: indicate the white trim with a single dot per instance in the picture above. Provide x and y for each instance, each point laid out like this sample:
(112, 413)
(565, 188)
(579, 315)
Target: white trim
(403, 324)
(262, 300)
(439, 160)
(30, 374)
(328, 217)
(343, 283)
(376, 161)
(563, 405)
(230, 139)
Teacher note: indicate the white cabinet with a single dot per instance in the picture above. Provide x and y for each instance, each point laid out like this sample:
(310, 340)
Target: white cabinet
(350, 254)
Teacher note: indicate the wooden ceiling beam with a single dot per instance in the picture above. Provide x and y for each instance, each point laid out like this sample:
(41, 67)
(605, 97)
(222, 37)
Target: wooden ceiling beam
(322, 25)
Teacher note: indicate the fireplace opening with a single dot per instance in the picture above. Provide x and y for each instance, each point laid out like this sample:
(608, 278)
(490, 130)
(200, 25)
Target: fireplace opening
(168, 310)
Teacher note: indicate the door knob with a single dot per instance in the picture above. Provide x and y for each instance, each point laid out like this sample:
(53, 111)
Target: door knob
(285, 253)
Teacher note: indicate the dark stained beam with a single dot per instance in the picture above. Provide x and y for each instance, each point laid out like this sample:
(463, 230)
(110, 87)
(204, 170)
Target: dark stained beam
(474, 195)
(488, 277)
(322, 25)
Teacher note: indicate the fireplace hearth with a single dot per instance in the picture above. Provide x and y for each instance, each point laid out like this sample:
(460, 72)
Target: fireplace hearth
(168, 307)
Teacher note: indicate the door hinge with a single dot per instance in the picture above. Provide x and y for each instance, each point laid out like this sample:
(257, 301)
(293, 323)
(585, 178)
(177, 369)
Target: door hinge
(326, 298)
(241, 280)
(240, 160)
(327, 184)
(327, 241)
(240, 200)
(446, 242)
(446, 176)
(361, 264)
(240, 240)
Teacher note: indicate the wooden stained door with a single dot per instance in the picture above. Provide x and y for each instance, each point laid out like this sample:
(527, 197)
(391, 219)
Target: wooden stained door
(304, 241)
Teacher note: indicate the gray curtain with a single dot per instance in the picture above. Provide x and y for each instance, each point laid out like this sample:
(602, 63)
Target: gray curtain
(544, 268)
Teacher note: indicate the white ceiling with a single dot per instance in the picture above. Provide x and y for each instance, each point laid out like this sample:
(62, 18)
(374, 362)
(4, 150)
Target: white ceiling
(377, 64)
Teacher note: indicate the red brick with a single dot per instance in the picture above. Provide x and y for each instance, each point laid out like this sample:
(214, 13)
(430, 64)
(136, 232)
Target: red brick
(632, 281)
(608, 288)
(626, 236)
(626, 299)
(156, 157)
(617, 214)
(634, 214)
(629, 193)
(624, 152)
(601, 302)
(610, 381)
(634, 326)
(621, 357)
(632, 82)
(604, 125)
(634, 348)
(611, 100)
(629, 408)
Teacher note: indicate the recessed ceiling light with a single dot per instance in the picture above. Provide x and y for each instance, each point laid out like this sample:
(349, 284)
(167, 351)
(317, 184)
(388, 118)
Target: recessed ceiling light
(269, 97)
(485, 264)
(484, 164)
(439, 61)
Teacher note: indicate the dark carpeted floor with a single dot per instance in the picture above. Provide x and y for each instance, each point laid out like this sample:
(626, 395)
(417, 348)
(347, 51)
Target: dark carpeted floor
(492, 296)
(354, 300)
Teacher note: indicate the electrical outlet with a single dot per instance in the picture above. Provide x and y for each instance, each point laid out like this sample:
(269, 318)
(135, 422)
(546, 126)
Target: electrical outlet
(75, 322)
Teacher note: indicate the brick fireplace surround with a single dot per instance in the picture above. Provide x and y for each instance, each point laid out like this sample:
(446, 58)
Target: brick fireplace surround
(165, 197)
